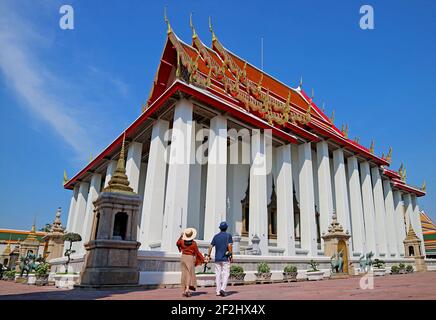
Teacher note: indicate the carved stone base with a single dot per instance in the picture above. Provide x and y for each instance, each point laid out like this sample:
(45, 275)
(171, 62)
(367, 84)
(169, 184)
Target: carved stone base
(110, 263)
(420, 264)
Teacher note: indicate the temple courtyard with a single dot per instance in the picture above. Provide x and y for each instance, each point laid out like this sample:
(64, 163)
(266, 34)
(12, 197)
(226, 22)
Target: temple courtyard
(393, 287)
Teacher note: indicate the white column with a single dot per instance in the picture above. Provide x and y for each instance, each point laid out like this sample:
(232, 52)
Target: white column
(215, 211)
(72, 210)
(111, 167)
(307, 200)
(80, 208)
(341, 193)
(325, 187)
(357, 223)
(368, 207)
(416, 222)
(258, 211)
(285, 204)
(391, 225)
(154, 193)
(409, 210)
(380, 213)
(79, 212)
(399, 221)
(182, 154)
(94, 190)
(133, 164)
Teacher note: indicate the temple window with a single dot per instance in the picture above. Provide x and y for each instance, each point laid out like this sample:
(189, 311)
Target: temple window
(120, 226)
(411, 251)
(245, 203)
(297, 225)
(272, 215)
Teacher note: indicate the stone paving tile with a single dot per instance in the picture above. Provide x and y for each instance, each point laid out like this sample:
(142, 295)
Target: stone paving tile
(397, 287)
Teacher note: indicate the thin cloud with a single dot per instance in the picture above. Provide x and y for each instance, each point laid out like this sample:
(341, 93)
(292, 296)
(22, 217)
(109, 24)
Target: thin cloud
(33, 82)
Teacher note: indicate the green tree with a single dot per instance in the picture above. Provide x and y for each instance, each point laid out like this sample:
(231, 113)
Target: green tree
(71, 237)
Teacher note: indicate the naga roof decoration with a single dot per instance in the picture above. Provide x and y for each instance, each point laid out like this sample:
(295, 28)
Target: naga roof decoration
(227, 78)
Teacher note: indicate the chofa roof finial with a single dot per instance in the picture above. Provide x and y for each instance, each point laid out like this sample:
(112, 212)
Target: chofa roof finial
(211, 29)
(167, 21)
(194, 34)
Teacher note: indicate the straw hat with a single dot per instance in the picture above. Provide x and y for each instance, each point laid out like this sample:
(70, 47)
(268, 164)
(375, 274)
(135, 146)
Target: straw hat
(189, 234)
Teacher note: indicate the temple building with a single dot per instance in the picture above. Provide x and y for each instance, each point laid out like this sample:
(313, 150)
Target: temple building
(429, 232)
(218, 139)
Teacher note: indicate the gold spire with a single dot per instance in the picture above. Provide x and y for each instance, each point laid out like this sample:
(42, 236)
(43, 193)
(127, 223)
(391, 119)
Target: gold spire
(389, 156)
(332, 117)
(167, 21)
(411, 235)
(194, 34)
(65, 177)
(424, 186)
(119, 182)
(345, 130)
(372, 147)
(57, 223)
(211, 30)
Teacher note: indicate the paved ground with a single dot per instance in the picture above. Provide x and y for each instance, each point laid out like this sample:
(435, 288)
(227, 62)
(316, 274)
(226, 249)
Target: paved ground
(409, 286)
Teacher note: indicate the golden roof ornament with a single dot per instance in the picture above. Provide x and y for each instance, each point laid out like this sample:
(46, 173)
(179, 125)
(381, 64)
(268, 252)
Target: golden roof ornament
(389, 156)
(424, 186)
(167, 21)
(300, 85)
(345, 130)
(194, 34)
(372, 147)
(65, 177)
(400, 170)
(90, 157)
(119, 182)
(357, 139)
(332, 117)
(211, 29)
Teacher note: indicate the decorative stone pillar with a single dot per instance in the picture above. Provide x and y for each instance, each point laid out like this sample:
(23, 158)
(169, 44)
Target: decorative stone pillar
(368, 207)
(155, 183)
(391, 225)
(336, 241)
(182, 155)
(236, 247)
(55, 244)
(341, 193)
(215, 211)
(380, 213)
(285, 204)
(307, 200)
(412, 248)
(112, 254)
(357, 224)
(324, 186)
(258, 210)
(399, 221)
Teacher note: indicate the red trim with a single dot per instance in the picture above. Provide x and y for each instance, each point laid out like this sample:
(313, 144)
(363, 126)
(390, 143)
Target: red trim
(391, 174)
(405, 187)
(350, 145)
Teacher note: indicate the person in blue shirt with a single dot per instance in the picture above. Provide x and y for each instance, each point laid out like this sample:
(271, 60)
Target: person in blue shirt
(222, 242)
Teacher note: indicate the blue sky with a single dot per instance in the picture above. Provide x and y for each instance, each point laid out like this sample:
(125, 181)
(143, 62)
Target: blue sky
(65, 94)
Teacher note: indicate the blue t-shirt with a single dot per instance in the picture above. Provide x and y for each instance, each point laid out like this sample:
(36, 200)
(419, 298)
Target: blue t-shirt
(220, 241)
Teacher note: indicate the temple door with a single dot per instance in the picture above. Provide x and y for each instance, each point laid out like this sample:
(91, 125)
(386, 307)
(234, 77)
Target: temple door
(343, 246)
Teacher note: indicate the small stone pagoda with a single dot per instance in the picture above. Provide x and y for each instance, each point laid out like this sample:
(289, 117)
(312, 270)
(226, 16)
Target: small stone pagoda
(412, 248)
(112, 253)
(335, 241)
(53, 239)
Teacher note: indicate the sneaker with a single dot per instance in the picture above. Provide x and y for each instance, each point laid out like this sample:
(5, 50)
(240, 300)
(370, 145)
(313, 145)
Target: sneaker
(218, 294)
(222, 293)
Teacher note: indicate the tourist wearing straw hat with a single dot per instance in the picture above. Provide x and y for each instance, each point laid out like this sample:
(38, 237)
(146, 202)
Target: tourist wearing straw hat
(191, 257)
